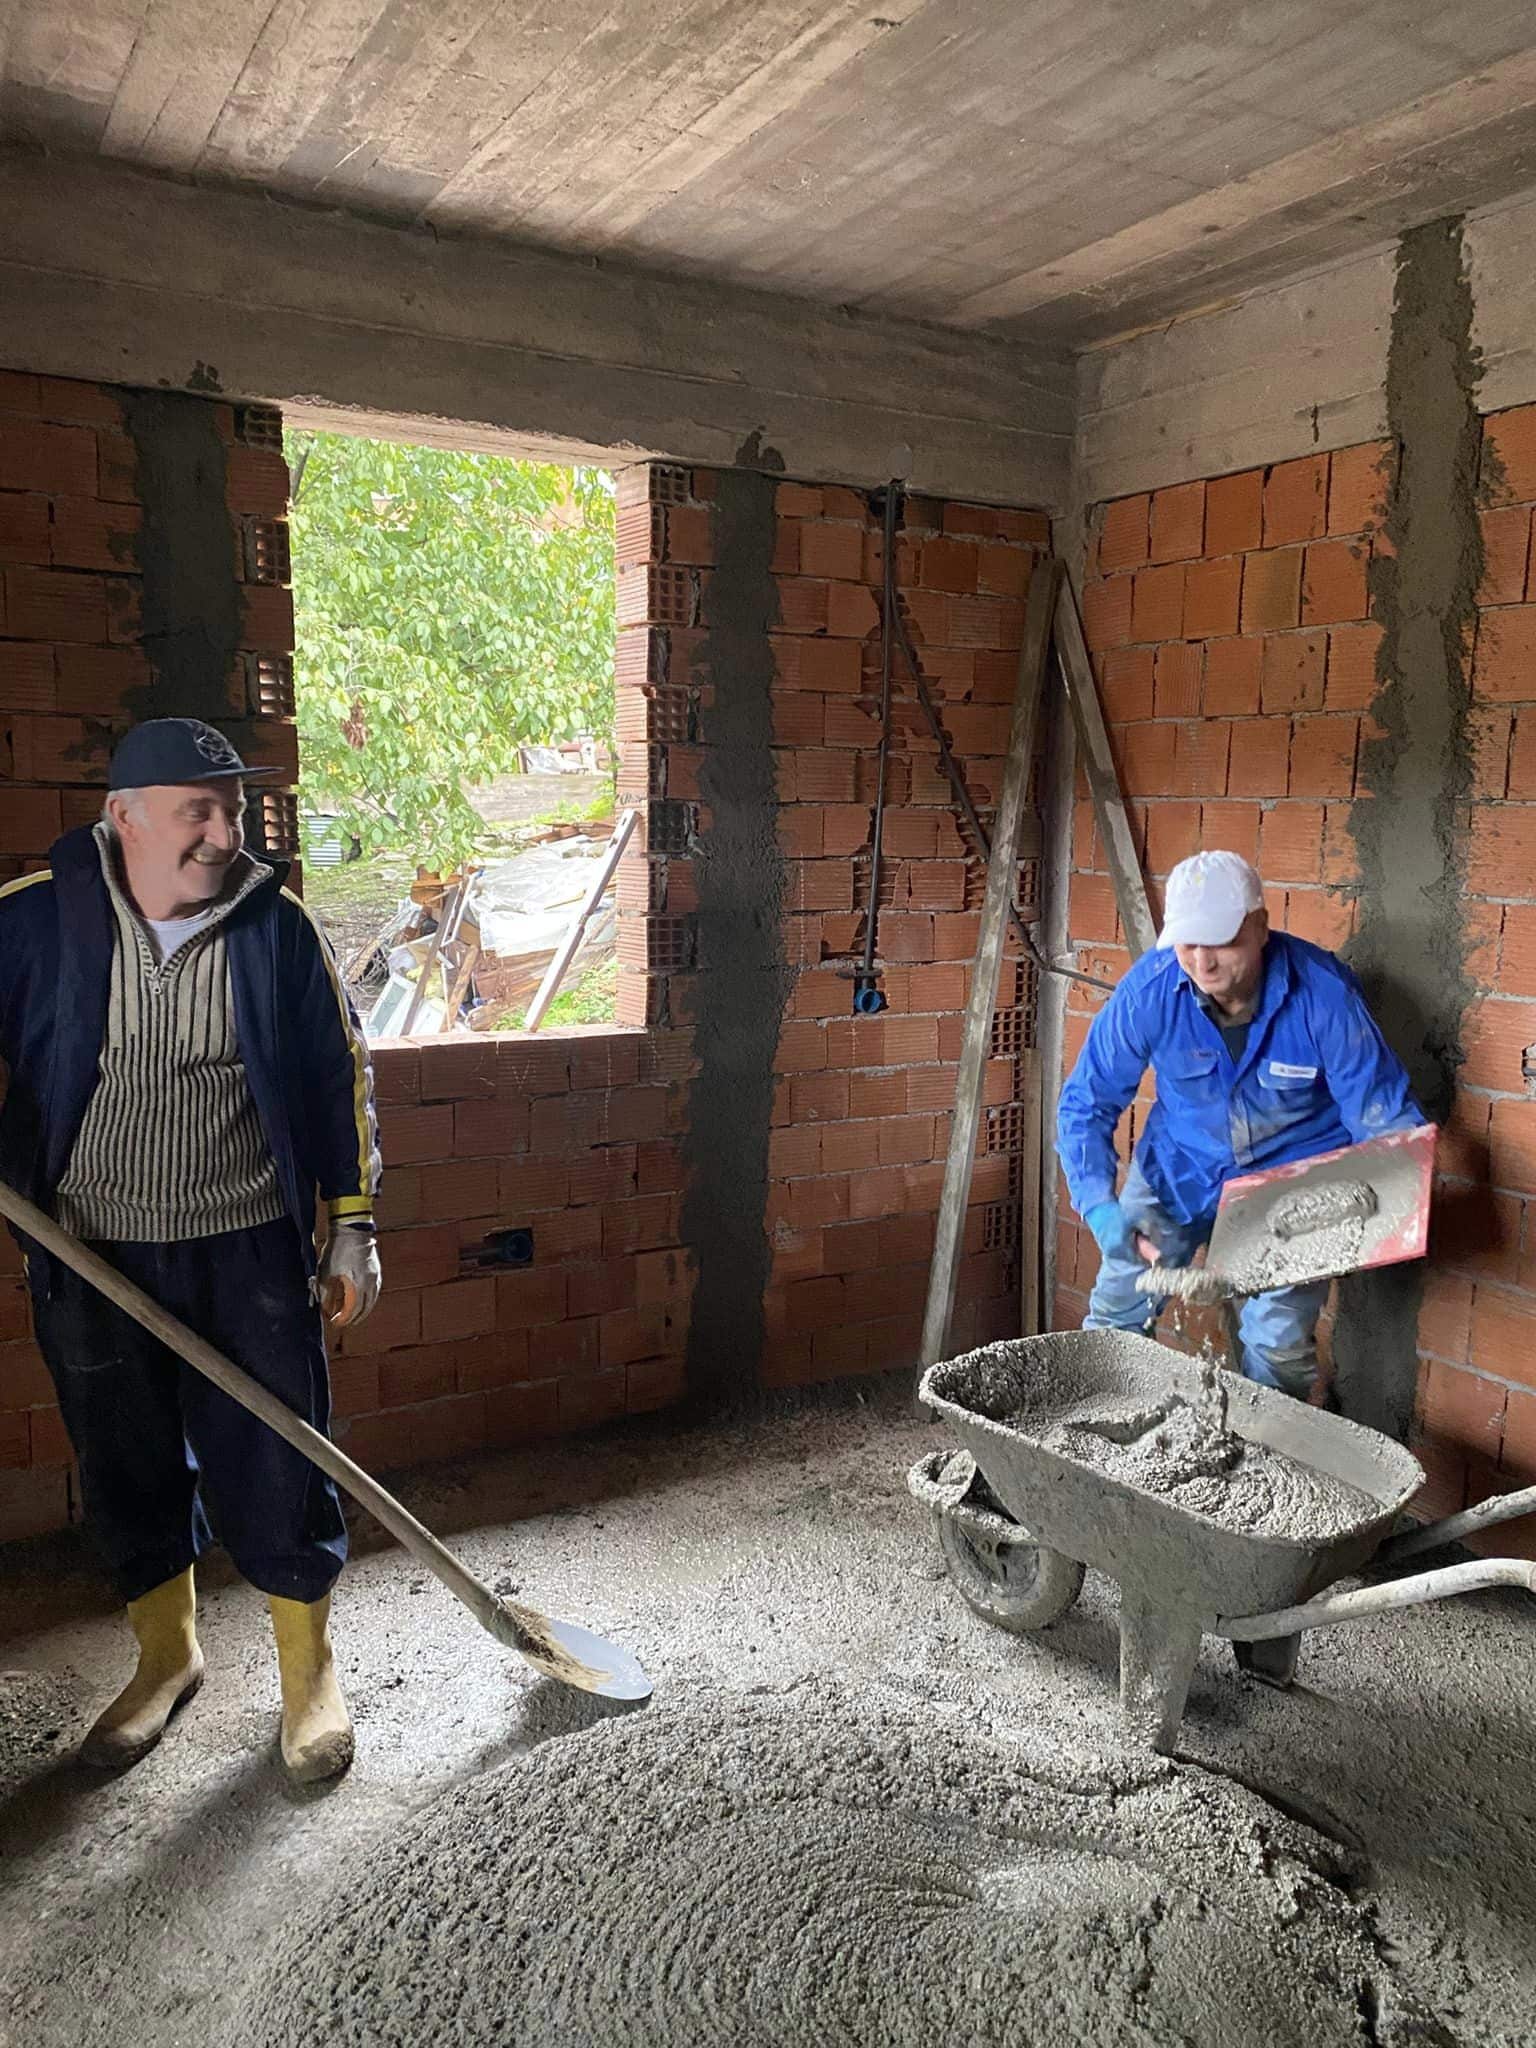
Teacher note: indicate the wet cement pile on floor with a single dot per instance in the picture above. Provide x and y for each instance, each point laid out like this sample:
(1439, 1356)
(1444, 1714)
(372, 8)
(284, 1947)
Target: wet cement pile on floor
(1185, 1455)
(832, 1865)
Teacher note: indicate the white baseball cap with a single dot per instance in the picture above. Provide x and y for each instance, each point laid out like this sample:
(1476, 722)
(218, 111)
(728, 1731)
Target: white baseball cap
(1209, 895)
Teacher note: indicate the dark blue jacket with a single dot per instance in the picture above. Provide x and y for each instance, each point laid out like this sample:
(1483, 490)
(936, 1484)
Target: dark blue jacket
(1315, 1074)
(304, 1055)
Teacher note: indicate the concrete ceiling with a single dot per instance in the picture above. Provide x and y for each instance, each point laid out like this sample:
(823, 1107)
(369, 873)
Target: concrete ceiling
(1062, 169)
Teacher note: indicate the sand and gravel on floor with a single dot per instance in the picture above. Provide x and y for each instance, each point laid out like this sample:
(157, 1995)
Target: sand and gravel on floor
(788, 1598)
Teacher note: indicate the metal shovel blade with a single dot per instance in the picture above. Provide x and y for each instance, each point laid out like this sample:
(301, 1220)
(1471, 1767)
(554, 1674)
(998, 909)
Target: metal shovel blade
(589, 1661)
(560, 1649)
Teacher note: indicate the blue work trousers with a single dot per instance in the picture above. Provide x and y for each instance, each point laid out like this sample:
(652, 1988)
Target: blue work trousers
(1278, 1330)
(161, 1449)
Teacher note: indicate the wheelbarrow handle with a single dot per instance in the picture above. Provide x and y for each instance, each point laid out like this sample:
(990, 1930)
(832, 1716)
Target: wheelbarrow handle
(1414, 1592)
(1499, 1507)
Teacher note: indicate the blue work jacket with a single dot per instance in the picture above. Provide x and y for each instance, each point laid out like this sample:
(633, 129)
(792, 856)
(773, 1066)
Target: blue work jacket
(1315, 1074)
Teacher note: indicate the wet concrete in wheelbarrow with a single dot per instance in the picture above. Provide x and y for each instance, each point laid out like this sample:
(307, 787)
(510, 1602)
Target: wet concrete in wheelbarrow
(747, 1565)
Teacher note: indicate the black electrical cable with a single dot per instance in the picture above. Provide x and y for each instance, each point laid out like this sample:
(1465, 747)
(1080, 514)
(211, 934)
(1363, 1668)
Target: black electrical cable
(967, 808)
(889, 618)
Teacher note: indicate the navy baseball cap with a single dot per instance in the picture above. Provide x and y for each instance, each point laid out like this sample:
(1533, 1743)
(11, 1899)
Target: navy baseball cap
(172, 751)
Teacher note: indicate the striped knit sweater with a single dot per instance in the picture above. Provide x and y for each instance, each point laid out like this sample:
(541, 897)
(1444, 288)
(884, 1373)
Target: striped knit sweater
(171, 1146)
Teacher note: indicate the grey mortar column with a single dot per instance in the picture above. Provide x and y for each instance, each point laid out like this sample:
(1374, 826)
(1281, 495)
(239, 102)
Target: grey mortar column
(744, 978)
(186, 553)
(192, 609)
(1410, 948)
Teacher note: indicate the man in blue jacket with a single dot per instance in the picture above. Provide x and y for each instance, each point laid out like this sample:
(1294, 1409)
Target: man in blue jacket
(1263, 1052)
(186, 1076)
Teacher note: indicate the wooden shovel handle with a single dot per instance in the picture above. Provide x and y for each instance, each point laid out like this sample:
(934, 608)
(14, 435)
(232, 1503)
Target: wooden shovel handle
(521, 1628)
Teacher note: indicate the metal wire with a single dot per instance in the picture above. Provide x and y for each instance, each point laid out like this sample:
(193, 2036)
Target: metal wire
(967, 809)
(888, 617)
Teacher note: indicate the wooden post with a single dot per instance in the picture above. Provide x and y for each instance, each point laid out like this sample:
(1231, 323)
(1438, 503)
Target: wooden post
(565, 952)
(1002, 880)
(1114, 826)
(459, 988)
(445, 910)
(1032, 1168)
(1103, 783)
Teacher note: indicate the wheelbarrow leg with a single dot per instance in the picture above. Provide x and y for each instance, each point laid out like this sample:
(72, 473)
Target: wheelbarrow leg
(1272, 1662)
(1158, 1648)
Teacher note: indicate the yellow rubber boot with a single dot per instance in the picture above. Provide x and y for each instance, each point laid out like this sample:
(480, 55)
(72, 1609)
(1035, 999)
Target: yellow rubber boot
(317, 1732)
(170, 1671)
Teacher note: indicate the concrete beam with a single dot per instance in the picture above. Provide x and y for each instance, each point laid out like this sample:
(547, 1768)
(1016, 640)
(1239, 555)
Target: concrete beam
(1297, 367)
(1279, 374)
(1501, 264)
(108, 273)
(1444, 152)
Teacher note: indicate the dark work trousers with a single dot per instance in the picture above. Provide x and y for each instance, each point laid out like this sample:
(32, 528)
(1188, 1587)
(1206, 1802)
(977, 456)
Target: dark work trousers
(158, 1444)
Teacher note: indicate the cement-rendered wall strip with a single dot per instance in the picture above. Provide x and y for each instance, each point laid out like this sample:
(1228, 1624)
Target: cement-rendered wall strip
(1410, 944)
(191, 602)
(107, 273)
(744, 980)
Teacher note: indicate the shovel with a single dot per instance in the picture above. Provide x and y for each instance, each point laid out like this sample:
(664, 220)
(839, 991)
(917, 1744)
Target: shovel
(1339, 1212)
(560, 1649)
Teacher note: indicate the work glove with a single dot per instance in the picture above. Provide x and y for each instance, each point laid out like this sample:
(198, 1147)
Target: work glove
(1113, 1231)
(350, 1274)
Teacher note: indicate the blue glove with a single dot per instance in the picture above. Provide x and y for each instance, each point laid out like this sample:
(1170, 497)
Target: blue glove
(1113, 1231)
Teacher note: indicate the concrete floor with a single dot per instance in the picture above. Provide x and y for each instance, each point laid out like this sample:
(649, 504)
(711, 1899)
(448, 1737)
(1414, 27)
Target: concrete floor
(729, 1557)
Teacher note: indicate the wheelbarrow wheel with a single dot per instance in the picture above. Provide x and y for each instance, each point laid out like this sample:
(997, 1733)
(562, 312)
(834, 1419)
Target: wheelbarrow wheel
(1019, 1586)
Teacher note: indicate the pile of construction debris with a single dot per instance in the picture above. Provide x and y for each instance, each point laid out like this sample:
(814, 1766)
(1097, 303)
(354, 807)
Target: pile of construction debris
(469, 951)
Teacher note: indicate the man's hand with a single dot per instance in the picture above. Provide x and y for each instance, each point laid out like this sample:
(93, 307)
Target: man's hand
(350, 1274)
(1115, 1234)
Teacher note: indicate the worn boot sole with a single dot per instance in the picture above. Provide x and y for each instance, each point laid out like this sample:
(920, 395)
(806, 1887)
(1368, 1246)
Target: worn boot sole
(326, 1758)
(113, 1751)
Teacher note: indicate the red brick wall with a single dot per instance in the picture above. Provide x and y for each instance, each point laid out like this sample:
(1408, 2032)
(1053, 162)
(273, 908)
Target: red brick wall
(861, 1117)
(577, 1136)
(1477, 1336)
(1230, 626)
(74, 674)
(572, 1136)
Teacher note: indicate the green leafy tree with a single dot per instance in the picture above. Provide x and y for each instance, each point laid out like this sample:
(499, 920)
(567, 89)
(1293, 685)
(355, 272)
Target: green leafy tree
(449, 607)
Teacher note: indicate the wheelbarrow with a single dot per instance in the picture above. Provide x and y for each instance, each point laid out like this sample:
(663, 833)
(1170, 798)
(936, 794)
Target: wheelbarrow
(1018, 1522)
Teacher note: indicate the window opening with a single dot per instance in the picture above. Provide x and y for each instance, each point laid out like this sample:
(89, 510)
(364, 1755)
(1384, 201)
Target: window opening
(454, 687)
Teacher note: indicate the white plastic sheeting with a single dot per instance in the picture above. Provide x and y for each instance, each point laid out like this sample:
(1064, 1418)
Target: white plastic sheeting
(525, 905)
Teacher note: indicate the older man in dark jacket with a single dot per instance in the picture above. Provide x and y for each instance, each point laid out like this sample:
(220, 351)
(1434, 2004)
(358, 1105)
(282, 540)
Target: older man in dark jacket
(186, 1078)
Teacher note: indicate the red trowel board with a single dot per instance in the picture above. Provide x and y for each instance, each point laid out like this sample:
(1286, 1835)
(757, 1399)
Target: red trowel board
(1400, 1169)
